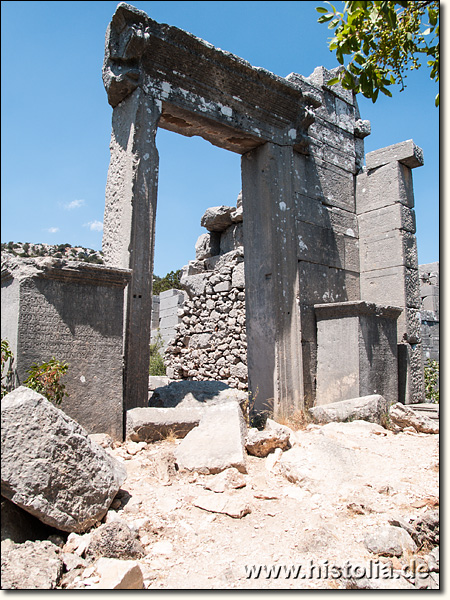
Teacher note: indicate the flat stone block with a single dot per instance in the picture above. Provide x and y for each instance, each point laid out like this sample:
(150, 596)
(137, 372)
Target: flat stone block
(410, 370)
(394, 285)
(223, 286)
(357, 351)
(319, 245)
(390, 249)
(384, 220)
(170, 321)
(383, 187)
(154, 424)
(406, 153)
(372, 408)
(218, 443)
(320, 284)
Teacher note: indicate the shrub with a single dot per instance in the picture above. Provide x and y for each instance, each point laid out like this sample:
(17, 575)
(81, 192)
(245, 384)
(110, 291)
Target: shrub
(46, 379)
(156, 366)
(7, 370)
(431, 376)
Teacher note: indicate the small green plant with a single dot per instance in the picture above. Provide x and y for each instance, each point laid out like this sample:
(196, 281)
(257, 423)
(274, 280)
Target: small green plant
(46, 379)
(431, 375)
(157, 367)
(7, 370)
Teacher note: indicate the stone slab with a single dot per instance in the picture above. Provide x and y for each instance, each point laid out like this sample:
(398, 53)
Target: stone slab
(405, 152)
(218, 443)
(152, 424)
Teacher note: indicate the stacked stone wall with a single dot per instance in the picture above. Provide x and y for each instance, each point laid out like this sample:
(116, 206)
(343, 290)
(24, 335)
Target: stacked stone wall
(211, 342)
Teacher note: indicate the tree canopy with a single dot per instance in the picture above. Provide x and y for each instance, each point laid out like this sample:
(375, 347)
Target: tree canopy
(168, 282)
(383, 41)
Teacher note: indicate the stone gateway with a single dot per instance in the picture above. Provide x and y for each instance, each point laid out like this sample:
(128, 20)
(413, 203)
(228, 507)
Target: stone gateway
(318, 226)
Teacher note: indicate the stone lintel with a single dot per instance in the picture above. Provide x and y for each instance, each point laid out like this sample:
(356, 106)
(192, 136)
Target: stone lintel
(353, 309)
(406, 153)
(202, 88)
(68, 271)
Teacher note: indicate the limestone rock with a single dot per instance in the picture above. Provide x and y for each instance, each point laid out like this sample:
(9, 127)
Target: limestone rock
(207, 245)
(238, 277)
(153, 424)
(30, 566)
(272, 425)
(227, 505)
(427, 528)
(228, 479)
(114, 540)
(402, 416)
(389, 541)
(262, 443)
(217, 443)
(367, 408)
(119, 574)
(102, 439)
(196, 394)
(51, 468)
(217, 218)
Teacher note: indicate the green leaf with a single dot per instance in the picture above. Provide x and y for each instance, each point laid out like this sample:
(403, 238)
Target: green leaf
(325, 18)
(436, 100)
(386, 92)
(321, 9)
(333, 81)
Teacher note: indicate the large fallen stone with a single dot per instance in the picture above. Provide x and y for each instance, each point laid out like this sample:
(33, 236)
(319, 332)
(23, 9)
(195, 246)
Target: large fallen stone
(217, 218)
(366, 408)
(217, 443)
(402, 416)
(30, 566)
(114, 540)
(51, 468)
(153, 424)
(187, 394)
(230, 479)
(119, 574)
(261, 443)
(389, 541)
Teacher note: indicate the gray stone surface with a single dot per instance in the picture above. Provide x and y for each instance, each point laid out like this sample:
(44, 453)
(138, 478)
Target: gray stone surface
(30, 566)
(403, 416)
(406, 153)
(129, 223)
(114, 540)
(372, 408)
(186, 394)
(217, 218)
(154, 424)
(357, 351)
(118, 574)
(51, 468)
(262, 443)
(389, 541)
(218, 443)
(74, 312)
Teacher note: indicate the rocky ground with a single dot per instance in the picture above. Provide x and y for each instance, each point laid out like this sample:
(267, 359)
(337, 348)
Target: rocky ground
(323, 503)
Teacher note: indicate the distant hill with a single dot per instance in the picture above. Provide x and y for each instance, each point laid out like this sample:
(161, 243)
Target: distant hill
(66, 251)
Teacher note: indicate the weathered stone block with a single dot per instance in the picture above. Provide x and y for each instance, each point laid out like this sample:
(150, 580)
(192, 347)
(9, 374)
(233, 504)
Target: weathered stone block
(357, 351)
(217, 218)
(410, 373)
(51, 468)
(231, 238)
(384, 186)
(154, 424)
(238, 277)
(74, 312)
(373, 409)
(320, 245)
(406, 153)
(217, 443)
(194, 284)
(396, 285)
(384, 220)
(320, 284)
(390, 249)
(207, 245)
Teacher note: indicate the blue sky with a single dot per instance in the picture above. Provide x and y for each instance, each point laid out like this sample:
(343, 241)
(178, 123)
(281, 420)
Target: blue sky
(56, 122)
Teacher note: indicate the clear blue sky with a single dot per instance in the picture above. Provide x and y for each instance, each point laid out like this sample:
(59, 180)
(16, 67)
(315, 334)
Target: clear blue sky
(56, 122)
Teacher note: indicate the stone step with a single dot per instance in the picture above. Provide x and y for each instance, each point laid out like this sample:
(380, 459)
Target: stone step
(427, 409)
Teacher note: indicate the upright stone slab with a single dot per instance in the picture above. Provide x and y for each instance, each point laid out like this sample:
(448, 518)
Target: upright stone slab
(74, 312)
(129, 225)
(357, 351)
(388, 252)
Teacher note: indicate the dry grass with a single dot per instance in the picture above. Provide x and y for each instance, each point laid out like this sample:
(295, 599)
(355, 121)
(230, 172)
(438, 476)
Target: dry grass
(297, 421)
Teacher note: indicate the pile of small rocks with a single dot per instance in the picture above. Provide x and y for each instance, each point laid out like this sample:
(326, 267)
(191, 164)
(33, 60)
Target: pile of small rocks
(211, 341)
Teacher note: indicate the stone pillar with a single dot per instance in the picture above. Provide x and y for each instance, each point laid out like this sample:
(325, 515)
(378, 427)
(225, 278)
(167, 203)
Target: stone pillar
(388, 252)
(129, 227)
(271, 279)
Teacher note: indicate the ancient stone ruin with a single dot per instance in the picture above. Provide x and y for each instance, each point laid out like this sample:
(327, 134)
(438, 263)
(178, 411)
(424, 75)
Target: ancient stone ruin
(328, 244)
(318, 226)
